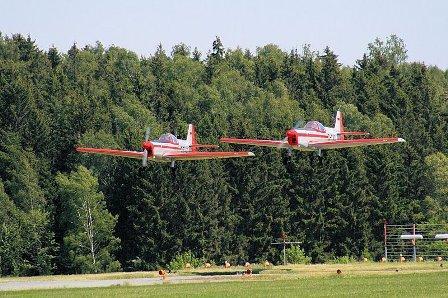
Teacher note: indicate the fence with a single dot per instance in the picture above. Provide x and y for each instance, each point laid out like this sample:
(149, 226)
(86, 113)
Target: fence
(415, 241)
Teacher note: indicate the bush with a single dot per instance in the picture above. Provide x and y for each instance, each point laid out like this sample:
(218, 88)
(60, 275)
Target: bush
(366, 254)
(181, 260)
(296, 255)
(343, 260)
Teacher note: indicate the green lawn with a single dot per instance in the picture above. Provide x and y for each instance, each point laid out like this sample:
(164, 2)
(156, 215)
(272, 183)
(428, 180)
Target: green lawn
(422, 284)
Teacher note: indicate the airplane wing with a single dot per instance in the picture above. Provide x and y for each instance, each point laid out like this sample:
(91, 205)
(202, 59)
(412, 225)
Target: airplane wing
(195, 155)
(354, 143)
(112, 152)
(264, 143)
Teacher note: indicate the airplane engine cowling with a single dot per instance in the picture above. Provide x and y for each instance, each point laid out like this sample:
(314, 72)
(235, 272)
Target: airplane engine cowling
(292, 137)
(149, 147)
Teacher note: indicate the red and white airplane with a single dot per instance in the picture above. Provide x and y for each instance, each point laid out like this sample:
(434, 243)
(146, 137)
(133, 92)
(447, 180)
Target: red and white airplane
(168, 148)
(315, 137)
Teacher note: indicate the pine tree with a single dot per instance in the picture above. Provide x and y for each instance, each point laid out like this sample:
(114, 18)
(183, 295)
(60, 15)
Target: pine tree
(196, 54)
(54, 57)
(330, 79)
(213, 59)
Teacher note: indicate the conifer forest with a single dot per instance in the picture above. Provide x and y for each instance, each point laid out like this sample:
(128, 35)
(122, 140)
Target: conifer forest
(65, 212)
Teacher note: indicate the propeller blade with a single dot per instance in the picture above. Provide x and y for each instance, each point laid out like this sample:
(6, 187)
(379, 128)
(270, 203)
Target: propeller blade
(145, 158)
(145, 151)
(299, 124)
(148, 131)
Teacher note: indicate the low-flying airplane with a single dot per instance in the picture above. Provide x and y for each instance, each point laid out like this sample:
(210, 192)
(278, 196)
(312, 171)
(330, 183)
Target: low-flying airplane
(168, 148)
(315, 137)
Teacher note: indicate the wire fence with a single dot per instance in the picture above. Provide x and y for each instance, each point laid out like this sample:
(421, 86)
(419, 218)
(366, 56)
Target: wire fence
(415, 242)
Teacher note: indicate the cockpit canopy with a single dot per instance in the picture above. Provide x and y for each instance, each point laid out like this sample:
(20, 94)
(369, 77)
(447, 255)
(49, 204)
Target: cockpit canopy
(315, 126)
(168, 138)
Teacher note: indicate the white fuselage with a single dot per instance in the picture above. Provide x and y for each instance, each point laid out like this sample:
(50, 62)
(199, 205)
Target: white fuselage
(300, 139)
(161, 148)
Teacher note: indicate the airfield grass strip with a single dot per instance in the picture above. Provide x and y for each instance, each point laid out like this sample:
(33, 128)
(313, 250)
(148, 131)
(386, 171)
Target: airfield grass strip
(433, 284)
(307, 270)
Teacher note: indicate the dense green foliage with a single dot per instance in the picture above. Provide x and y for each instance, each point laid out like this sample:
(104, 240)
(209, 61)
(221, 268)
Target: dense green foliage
(89, 241)
(296, 255)
(185, 260)
(219, 210)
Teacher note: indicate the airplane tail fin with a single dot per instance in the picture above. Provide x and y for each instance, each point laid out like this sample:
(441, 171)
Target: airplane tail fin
(339, 125)
(191, 137)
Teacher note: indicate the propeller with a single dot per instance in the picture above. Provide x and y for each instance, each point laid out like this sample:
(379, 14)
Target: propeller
(173, 162)
(299, 124)
(145, 148)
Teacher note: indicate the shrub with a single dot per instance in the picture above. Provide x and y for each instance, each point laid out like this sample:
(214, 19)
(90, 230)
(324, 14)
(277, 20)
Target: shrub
(181, 260)
(343, 260)
(296, 255)
(366, 254)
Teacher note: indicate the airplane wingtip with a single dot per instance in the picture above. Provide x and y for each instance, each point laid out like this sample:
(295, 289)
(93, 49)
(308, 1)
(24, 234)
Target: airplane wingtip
(401, 140)
(250, 154)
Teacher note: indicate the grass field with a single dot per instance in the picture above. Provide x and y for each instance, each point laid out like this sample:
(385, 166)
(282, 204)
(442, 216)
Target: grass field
(358, 279)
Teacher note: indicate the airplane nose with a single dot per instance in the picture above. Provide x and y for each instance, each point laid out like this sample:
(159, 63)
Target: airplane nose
(147, 151)
(147, 145)
(290, 133)
(292, 137)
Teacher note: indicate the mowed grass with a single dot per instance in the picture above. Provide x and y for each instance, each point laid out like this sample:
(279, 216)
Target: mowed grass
(417, 284)
(362, 268)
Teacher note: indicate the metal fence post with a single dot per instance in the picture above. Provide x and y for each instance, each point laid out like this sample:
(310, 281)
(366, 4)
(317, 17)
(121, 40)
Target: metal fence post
(413, 243)
(385, 239)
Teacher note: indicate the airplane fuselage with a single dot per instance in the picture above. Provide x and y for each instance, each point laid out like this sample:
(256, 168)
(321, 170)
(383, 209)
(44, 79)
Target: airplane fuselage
(299, 139)
(159, 149)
